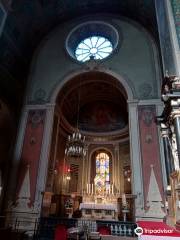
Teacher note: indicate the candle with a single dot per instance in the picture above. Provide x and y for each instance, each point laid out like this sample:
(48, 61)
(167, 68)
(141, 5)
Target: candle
(112, 189)
(87, 188)
(124, 203)
(92, 188)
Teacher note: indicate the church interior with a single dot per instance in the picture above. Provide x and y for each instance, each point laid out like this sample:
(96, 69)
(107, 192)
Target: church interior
(89, 118)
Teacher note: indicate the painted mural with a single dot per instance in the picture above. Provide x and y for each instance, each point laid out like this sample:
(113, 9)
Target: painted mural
(102, 117)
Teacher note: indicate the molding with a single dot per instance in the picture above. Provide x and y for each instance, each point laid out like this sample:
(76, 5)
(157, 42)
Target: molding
(39, 106)
(151, 102)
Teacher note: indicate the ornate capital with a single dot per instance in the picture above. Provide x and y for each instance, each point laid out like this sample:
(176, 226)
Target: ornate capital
(171, 83)
(164, 130)
(175, 114)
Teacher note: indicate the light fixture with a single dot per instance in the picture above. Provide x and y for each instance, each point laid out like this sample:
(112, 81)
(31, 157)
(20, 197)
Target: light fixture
(128, 179)
(68, 176)
(75, 145)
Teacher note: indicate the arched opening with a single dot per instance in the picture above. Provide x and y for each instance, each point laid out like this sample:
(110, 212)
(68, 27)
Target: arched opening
(96, 104)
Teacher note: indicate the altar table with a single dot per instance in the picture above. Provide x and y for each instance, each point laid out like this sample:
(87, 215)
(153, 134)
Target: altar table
(99, 210)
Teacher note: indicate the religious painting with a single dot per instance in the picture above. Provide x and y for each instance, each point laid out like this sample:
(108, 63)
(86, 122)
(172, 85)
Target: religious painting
(102, 117)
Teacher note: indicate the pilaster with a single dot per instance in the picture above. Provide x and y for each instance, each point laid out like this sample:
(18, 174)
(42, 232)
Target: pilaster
(135, 153)
(32, 153)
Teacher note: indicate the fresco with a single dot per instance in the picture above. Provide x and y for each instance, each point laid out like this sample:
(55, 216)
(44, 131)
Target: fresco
(102, 117)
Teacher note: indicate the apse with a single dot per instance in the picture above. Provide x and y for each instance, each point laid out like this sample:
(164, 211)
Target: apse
(94, 105)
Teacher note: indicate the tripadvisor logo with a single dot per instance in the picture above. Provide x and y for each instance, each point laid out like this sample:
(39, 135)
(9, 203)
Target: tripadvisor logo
(138, 231)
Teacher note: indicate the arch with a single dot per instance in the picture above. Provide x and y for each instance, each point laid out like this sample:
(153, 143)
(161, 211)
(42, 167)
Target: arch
(40, 81)
(103, 148)
(124, 82)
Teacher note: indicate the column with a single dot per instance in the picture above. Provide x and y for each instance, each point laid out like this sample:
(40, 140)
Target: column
(164, 21)
(116, 175)
(171, 16)
(175, 117)
(17, 154)
(118, 168)
(135, 154)
(164, 132)
(43, 167)
(177, 132)
(83, 177)
(121, 177)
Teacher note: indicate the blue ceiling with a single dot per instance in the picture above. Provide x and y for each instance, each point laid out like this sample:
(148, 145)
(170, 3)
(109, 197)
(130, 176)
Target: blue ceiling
(29, 21)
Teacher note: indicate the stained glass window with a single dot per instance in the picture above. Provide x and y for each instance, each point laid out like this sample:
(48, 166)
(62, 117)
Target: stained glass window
(102, 179)
(94, 46)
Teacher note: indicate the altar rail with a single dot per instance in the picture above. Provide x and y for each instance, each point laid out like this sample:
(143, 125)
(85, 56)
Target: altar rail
(47, 226)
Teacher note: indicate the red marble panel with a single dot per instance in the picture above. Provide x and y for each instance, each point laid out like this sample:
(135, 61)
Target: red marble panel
(31, 150)
(149, 147)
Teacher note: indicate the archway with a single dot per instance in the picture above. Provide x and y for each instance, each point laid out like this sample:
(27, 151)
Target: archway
(95, 103)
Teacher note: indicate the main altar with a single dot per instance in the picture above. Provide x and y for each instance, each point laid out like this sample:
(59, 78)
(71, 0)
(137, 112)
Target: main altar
(99, 206)
(100, 202)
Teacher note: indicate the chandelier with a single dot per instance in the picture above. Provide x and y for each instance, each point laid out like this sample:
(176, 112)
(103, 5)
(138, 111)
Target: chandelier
(75, 145)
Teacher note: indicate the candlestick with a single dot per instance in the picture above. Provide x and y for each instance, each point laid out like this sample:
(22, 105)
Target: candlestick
(124, 202)
(92, 188)
(112, 189)
(87, 188)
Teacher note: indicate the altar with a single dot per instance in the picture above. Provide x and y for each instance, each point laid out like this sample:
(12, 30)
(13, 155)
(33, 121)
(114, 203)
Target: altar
(99, 210)
(99, 204)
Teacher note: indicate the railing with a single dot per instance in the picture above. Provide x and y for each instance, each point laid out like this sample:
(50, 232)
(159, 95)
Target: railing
(14, 230)
(26, 227)
(119, 228)
(47, 226)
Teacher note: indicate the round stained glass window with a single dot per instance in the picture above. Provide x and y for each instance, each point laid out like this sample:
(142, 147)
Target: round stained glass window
(96, 47)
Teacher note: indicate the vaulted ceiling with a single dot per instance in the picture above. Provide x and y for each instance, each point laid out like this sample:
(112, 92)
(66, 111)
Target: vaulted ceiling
(29, 21)
(95, 101)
